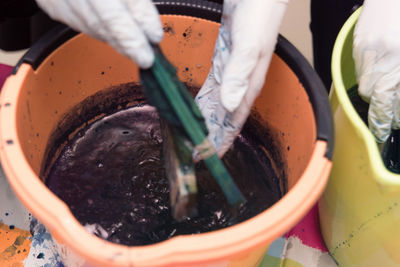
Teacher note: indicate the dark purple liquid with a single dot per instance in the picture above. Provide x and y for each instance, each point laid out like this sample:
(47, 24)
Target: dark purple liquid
(112, 177)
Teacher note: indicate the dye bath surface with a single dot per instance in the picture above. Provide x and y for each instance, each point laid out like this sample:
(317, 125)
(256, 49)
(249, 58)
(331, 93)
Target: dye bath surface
(112, 177)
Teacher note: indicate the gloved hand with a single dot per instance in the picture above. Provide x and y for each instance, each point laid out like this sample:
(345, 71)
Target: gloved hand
(243, 51)
(128, 25)
(376, 53)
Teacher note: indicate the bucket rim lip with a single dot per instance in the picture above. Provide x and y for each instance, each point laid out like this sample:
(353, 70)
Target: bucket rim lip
(380, 173)
(314, 88)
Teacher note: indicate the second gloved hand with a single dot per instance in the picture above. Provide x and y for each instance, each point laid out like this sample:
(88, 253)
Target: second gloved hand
(376, 53)
(243, 51)
(128, 25)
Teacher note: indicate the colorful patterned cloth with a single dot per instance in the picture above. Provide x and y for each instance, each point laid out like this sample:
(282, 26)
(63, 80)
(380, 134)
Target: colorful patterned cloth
(301, 246)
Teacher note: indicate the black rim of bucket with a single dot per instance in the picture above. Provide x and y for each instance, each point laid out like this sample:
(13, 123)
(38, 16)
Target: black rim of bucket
(212, 11)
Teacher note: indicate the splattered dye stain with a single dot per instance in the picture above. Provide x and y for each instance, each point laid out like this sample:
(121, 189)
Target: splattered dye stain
(14, 245)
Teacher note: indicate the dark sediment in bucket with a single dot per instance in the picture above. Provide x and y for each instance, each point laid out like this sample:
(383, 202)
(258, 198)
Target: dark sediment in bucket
(112, 177)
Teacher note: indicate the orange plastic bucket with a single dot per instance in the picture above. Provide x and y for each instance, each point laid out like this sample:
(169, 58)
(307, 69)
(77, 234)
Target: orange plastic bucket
(64, 69)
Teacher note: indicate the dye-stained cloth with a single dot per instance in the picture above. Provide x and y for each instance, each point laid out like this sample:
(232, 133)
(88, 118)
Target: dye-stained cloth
(242, 53)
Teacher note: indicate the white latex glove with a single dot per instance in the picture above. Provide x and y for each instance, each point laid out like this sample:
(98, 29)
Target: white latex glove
(243, 51)
(376, 53)
(128, 25)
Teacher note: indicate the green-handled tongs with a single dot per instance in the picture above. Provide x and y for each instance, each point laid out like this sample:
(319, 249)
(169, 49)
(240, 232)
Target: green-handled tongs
(167, 93)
